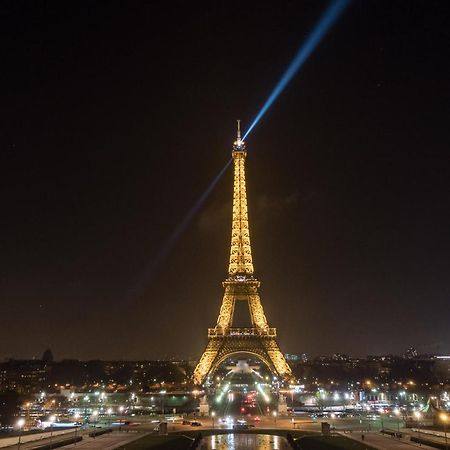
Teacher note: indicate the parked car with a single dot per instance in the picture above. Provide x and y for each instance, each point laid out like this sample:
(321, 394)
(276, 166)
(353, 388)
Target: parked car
(240, 426)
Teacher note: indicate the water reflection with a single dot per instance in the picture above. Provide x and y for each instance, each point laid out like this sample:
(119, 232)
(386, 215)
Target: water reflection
(244, 441)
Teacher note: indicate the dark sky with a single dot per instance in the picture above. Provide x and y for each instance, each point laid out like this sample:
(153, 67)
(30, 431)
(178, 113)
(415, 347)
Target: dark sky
(115, 117)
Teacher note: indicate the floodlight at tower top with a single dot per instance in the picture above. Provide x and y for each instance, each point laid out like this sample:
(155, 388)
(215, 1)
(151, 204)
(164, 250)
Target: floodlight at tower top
(239, 144)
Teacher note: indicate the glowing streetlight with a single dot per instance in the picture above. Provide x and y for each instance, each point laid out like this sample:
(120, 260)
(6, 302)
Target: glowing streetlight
(94, 415)
(381, 411)
(28, 406)
(418, 416)
(52, 420)
(397, 413)
(444, 418)
(121, 410)
(162, 400)
(274, 414)
(20, 423)
(213, 415)
(76, 417)
(109, 412)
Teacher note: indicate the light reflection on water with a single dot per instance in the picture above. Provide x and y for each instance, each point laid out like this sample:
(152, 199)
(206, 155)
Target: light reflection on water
(244, 442)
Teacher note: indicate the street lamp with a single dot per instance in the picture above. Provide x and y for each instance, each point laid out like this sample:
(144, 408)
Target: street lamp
(20, 423)
(397, 413)
(162, 401)
(274, 413)
(418, 416)
(52, 421)
(381, 411)
(444, 419)
(76, 416)
(94, 415)
(213, 414)
(109, 412)
(121, 410)
(28, 405)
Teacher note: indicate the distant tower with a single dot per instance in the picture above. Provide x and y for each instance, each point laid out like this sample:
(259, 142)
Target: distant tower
(47, 356)
(411, 353)
(225, 340)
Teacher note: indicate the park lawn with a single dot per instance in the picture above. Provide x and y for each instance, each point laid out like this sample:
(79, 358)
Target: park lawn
(156, 442)
(333, 442)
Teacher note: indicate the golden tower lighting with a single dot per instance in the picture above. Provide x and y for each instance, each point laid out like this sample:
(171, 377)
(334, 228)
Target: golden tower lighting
(225, 340)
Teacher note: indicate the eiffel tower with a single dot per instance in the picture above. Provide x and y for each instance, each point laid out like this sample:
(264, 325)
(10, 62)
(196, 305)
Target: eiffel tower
(225, 340)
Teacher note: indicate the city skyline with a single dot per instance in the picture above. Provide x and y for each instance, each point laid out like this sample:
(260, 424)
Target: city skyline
(111, 136)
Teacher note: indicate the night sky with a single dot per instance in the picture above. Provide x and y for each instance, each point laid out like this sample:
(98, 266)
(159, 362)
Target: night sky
(115, 117)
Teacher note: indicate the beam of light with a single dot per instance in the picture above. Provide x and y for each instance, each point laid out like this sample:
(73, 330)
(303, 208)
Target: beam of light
(264, 395)
(151, 269)
(329, 17)
(326, 21)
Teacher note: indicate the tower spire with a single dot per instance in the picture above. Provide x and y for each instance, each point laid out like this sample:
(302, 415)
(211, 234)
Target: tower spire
(239, 144)
(241, 253)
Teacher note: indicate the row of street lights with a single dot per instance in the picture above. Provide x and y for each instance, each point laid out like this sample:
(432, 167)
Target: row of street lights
(20, 424)
(52, 419)
(444, 419)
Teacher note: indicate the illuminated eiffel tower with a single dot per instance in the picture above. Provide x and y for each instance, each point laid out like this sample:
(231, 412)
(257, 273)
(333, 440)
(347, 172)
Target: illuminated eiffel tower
(225, 340)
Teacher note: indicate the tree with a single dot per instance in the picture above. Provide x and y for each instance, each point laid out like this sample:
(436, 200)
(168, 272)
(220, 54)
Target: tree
(9, 407)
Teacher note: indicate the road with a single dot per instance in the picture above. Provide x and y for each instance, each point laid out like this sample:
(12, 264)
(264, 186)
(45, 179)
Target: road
(238, 401)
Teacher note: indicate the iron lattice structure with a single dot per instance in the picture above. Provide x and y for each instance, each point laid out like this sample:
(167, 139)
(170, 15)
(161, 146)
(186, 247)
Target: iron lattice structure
(225, 340)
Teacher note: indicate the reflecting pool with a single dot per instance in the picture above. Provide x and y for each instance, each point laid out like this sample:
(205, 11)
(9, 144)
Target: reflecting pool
(244, 441)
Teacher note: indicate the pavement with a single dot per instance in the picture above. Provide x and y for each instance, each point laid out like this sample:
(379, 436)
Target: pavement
(108, 441)
(43, 439)
(36, 438)
(385, 442)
